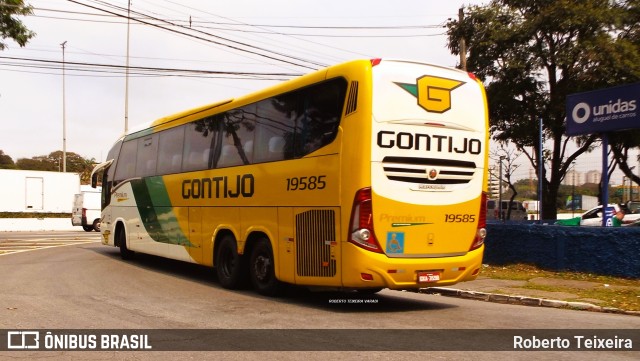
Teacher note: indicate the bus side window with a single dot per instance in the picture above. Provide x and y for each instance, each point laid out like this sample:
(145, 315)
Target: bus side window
(146, 156)
(322, 111)
(199, 139)
(170, 145)
(126, 166)
(275, 128)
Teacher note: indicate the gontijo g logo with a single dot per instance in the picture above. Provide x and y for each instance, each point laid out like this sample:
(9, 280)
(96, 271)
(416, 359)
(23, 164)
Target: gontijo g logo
(433, 93)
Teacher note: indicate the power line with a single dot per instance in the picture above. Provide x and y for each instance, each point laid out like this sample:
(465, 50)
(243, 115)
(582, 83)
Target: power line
(261, 32)
(237, 47)
(196, 22)
(140, 70)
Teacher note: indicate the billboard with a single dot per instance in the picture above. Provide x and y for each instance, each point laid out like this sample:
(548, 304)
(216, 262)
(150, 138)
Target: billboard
(604, 110)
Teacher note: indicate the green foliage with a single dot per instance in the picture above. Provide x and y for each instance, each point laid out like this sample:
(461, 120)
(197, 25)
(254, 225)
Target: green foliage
(532, 54)
(6, 162)
(33, 215)
(10, 26)
(53, 162)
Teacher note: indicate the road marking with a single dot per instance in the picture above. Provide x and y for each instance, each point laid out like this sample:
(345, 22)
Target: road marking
(11, 246)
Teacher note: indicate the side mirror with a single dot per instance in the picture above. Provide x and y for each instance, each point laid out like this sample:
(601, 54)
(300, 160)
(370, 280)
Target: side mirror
(94, 180)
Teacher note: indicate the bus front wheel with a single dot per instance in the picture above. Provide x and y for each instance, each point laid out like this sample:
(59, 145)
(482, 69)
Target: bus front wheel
(230, 267)
(125, 253)
(262, 269)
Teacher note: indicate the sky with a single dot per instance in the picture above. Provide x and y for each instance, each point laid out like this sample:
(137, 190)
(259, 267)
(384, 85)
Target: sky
(241, 40)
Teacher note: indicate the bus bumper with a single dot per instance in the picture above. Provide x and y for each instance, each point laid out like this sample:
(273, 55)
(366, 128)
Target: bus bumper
(367, 269)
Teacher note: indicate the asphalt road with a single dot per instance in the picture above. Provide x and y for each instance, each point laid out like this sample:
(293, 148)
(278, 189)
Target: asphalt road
(81, 284)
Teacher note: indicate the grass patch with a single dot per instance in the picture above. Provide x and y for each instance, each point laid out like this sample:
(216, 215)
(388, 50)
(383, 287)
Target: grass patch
(33, 215)
(608, 291)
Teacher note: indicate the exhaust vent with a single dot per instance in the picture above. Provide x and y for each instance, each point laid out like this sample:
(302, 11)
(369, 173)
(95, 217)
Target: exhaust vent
(315, 231)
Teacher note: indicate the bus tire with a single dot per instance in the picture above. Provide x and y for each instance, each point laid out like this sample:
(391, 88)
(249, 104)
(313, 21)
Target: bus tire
(96, 225)
(121, 238)
(262, 269)
(230, 267)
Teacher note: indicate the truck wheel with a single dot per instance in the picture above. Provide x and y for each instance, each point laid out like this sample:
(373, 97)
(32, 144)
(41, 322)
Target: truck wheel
(230, 266)
(87, 228)
(96, 225)
(262, 269)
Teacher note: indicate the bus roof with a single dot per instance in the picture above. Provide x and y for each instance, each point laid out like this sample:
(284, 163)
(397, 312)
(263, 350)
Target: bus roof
(212, 108)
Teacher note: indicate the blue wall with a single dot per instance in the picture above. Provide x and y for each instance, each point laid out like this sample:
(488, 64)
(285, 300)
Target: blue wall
(607, 251)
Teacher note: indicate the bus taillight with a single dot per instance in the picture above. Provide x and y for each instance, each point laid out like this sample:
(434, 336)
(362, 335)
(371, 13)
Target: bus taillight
(362, 222)
(481, 232)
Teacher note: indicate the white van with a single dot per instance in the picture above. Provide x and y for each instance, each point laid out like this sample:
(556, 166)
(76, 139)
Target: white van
(86, 209)
(518, 212)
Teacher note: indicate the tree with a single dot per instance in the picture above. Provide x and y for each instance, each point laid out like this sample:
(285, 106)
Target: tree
(10, 26)
(53, 162)
(507, 158)
(532, 54)
(6, 162)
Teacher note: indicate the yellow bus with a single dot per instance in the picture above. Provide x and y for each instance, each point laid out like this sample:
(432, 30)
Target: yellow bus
(361, 176)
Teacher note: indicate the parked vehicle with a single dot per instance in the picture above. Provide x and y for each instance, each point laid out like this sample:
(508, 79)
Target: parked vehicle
(34, 191)
(518, 212)
(86, 209)
(580, 201)
(633, 207)
(593, 217)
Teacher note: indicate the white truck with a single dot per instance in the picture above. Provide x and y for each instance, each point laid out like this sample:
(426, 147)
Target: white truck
(86, 209)
(581, 201)
(34, 191)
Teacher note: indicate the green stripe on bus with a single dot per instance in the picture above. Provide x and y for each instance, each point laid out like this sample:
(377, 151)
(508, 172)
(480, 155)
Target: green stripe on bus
(158, 218)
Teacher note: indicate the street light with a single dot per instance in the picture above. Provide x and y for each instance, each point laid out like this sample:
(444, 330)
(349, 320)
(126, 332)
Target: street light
(64, 115)
(126, 81)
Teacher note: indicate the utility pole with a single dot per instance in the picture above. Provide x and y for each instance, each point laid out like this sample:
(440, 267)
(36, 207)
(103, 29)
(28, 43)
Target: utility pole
(463, 45)
(126, 81)
(64, 115)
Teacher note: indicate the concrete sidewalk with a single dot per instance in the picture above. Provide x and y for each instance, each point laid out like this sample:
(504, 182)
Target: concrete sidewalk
(36, 224)
(513, 292)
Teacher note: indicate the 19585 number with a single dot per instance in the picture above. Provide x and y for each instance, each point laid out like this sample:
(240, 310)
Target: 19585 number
(459, 218)
(306, 183)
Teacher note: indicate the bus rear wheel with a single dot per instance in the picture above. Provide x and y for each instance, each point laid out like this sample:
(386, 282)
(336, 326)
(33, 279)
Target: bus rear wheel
(230, 267)
(262, 269)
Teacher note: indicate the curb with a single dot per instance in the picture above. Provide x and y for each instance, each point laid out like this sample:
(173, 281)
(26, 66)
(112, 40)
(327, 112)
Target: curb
(522, 300)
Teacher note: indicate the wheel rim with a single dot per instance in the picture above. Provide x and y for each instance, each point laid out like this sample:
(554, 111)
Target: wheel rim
(261, 267)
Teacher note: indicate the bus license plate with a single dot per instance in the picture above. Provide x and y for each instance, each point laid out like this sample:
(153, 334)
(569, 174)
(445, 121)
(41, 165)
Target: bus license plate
(428, 277)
